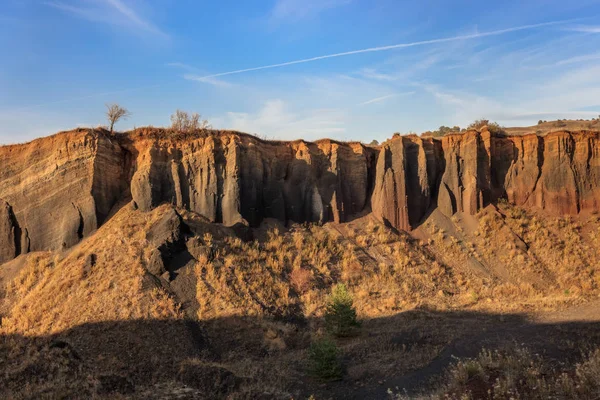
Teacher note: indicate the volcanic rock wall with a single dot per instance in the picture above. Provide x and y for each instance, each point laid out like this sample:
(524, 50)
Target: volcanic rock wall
(56, 190)
(407, 177)
(232, 178)
(559, 173)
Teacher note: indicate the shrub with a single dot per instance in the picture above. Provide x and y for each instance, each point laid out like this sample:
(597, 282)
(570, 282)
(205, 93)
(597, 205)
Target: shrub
(183, 122)
(519, 374)
(445, 130)
(301, 279)
(493, 127)
(340, 317)
(324, 358)
(560, 124)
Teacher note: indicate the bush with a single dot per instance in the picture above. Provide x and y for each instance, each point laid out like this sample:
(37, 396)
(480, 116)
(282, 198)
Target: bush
(301, 279)
(493, 127)
(445, 130)
(560, 124)
(183, 122)
(340, 317)
(324, 358)
(519, 374)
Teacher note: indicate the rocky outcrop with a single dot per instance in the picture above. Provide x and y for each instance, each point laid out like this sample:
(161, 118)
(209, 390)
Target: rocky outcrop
(466, 182)
(236, 178)
(8, 248)
(59, 189)
(407, 177)
(558, 173)
(56, 190)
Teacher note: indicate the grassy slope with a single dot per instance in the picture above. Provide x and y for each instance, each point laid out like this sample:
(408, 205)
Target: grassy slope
(260, 303)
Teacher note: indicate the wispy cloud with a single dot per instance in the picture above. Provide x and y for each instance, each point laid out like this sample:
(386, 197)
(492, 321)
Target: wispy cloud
(558, 94)
(386, 97)
(396, 46)
(579, 59)
(585, 29)
(295, 10)
(113, 12)
(275, 119)
(207, 79)
(182, 66)
(193, 74)
(371, 73)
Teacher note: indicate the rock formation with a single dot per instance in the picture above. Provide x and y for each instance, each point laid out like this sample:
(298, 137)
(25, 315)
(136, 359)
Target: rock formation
(407, 176)
(56, 190)
(236, 178)
(558, 173)
(8, 245)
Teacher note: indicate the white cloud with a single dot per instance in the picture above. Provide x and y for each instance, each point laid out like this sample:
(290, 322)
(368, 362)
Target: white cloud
(183, 66)
(383, 98)
(295, 10)
(585, 29)
(579, 59)
(372, 73)
(194, 75)
(450, 39)
(559, 95)
(275, 120)
(113, 12)
(209, 80)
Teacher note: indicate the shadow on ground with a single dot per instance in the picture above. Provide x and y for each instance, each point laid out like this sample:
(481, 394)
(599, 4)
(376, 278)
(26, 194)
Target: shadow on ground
(246, 357)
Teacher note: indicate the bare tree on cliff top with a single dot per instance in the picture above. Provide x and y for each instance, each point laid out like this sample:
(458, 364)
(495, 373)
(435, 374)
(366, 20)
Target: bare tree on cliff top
(114, 113)
(183, 122)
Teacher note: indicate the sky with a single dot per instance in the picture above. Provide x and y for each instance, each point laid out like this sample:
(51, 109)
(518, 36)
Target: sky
(288, 69)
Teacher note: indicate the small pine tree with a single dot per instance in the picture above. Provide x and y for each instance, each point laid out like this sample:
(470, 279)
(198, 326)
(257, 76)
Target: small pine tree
(340, 316)
(324, 358)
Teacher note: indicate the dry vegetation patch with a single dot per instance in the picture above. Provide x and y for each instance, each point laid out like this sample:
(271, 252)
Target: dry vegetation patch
(100, 279)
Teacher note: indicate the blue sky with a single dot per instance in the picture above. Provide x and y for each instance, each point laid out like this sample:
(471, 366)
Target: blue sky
(365, 69)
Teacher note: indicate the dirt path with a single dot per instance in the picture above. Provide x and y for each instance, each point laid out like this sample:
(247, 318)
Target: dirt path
(554, 335)
(586, 312)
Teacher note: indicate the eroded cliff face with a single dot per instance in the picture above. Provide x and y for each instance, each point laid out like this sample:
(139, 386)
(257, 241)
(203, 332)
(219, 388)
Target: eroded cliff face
(558, 173)
(407, 179)
(8, 245)
(234, 178)
(56, 190)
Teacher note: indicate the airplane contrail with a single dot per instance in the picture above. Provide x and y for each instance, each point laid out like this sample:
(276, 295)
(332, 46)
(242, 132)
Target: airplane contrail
(392, 47)
(343, 54)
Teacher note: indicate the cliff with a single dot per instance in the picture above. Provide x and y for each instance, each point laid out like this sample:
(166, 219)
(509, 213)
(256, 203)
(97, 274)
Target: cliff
(558, 173)
(56, 190)
(235, 178)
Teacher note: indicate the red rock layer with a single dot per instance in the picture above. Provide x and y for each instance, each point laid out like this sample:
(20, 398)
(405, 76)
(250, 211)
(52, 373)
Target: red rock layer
(559, 173)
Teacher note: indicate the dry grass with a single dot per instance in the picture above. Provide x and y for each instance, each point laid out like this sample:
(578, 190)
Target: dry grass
(518, 375)
(98, 280)
(516, 260)
(291, 273)
(269, 295)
